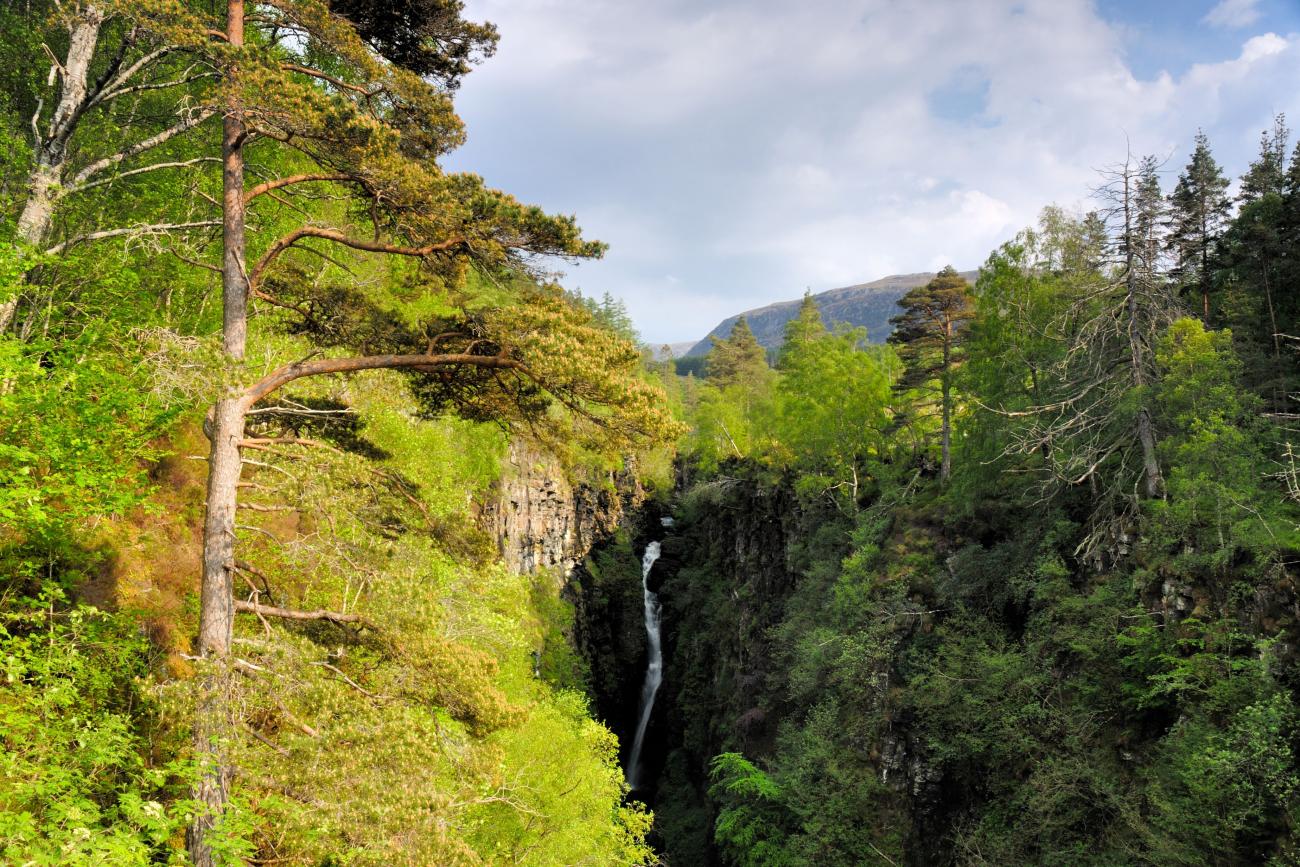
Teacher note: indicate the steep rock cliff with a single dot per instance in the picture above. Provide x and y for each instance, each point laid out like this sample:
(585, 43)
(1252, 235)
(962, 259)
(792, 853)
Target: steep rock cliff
(729, 568)
(542, 520)
(746, 571)
(593, 534)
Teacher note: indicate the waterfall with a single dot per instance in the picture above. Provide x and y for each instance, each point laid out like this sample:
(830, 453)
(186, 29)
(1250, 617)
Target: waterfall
(654, 672)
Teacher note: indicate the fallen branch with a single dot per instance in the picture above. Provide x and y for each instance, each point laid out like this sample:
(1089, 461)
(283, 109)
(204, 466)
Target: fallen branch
(152, 229)
(302, 726)
(258, 507)
(292, 614)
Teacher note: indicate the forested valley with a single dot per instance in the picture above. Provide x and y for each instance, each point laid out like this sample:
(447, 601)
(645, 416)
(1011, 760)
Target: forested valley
(332, 523)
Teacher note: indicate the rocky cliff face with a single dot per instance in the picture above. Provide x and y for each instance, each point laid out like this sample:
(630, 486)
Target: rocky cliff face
(728, 569)
(743, 556)
(541, 520)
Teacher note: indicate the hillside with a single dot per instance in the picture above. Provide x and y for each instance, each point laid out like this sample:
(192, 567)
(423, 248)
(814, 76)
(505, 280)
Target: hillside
(866, 304)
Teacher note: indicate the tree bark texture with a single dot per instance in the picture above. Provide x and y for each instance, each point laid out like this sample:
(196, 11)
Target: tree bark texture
(234, 274)
(212, 726)
(945, 466)
(216, 624)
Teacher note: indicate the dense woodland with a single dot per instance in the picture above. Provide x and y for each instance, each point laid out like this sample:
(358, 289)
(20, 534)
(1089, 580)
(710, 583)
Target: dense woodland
(1017, 587)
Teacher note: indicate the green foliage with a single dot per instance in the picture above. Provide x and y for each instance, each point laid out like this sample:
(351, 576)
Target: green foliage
(1199, 208)
(960, 675)
(612, 314)
(723, 424)
(1025, 667)
(1267, 174)
(930, 335)
(822, 414)
(80, 778)
(748, 828)
(738, 360)
(929, 330)
(73, 428)
(1217, 500)
(831, 409)
(464, 671)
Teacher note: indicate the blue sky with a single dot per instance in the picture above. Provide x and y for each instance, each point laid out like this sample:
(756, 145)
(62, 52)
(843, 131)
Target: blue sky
(735, 152)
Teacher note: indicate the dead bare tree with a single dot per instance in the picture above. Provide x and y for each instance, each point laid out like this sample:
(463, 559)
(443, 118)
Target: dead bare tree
(1089, 418)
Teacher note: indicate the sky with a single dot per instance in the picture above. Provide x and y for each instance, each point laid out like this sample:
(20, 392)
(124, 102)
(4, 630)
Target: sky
(734, 153)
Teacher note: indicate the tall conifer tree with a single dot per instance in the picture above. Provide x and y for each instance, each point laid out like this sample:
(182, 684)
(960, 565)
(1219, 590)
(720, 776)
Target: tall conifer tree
(738, 360)
(806, 327)
(365, 109)
(1199, 207)
(929, 334)
(1267, 174)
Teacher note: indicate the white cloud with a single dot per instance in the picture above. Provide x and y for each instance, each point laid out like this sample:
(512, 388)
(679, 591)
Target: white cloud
(1233, 14)
(753, 148)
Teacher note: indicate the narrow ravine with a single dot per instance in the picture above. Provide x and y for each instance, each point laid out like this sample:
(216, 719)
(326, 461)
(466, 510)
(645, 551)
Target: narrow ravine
(654, 672)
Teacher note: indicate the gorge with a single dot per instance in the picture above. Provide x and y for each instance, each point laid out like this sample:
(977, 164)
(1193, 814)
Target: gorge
(343, 525)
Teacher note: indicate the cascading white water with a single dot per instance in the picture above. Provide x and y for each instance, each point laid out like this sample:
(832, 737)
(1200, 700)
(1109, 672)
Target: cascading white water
(654, 672)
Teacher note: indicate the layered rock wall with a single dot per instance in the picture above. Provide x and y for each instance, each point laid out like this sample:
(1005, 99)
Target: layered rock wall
(542, 520)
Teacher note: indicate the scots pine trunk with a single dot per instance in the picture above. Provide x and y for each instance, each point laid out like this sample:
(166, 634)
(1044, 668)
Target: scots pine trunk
(212, 727)
(216, 624)
(234, 275)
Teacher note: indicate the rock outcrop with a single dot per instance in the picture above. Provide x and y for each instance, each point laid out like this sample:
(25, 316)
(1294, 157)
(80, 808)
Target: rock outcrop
(542, 520)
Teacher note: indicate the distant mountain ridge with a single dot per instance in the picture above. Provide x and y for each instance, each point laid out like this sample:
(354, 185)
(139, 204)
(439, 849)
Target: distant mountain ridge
(865, 304)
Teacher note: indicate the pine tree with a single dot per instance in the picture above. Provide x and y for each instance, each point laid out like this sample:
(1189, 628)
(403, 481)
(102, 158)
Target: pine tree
(1291, 208)
(1199, 208)
(1267, 174)
(929, 334)
(368, 129)
(1150, 210)
(1257, 265)
(738, 360)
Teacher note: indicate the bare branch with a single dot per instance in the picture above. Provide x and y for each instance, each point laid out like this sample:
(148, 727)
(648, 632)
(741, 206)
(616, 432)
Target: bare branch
(258, 507)
(150, 229)
(155, 85)
(79, 188)
(338, 237)
(109, 90)
(255, 733)
(140, 147)
(36, 117)
(291, 614)
(349, 681)
(195, 262)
